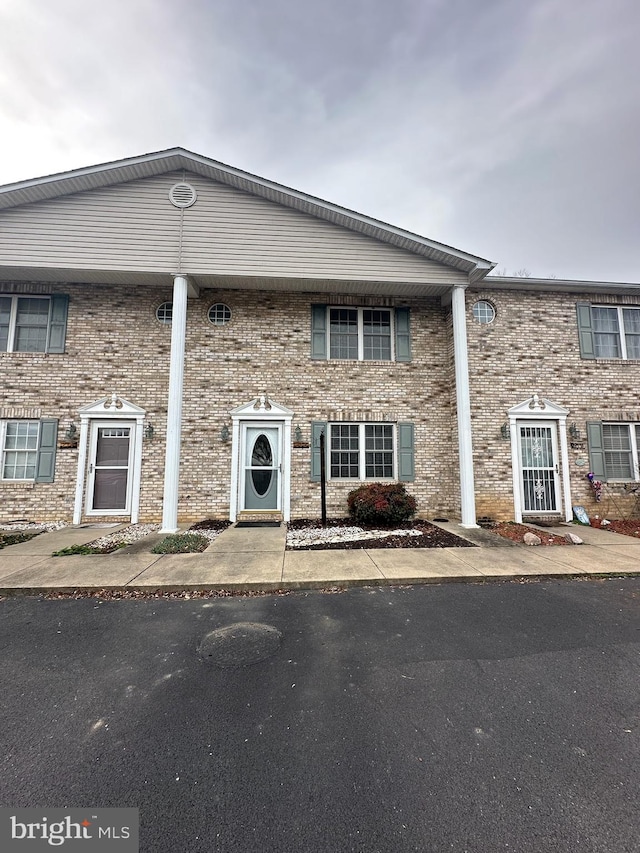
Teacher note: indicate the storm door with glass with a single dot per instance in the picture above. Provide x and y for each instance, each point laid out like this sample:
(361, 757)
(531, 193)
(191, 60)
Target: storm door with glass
(539, 477)
(260, 477)
(108, 483)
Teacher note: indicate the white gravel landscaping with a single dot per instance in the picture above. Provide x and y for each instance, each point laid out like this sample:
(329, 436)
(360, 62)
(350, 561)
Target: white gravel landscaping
(125, 536)
(45, 526)
(138, 531)
(305, 536)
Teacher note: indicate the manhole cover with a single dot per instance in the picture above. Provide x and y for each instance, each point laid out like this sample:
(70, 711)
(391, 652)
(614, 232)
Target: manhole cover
(240, 644)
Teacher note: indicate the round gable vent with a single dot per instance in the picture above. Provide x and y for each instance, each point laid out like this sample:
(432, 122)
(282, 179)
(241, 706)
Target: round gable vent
(182, 195)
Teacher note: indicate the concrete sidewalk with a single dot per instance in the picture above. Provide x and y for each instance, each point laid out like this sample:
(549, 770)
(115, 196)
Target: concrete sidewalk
(245, 559)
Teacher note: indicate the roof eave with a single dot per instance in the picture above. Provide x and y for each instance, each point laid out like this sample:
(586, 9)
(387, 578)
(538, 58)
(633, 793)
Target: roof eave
(172, 159)
(568, 285)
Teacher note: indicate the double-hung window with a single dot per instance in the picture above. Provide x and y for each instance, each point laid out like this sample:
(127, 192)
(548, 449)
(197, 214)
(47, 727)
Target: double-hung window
(609, 331)
(28, 449)
(361, 451)
(614, 449)
(33, 323)
(360, 334)
(20, 450)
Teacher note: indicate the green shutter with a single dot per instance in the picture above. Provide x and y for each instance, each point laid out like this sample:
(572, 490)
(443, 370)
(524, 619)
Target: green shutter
(46, 463)
(317, 427)
(319, 332)
(596, 449)
(57, 322)
(585, 331)
(406, 466)
(403, 335)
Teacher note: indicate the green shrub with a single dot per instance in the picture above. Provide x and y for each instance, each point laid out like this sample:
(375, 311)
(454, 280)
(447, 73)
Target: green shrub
(181, 543)
(384, 504)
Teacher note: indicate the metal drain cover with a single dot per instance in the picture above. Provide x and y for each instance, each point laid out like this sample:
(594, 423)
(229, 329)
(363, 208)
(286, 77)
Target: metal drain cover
(240, 644)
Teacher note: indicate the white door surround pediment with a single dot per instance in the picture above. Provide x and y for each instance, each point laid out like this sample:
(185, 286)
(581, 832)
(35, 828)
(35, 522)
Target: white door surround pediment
(538, 408)
(111, 407)
(262, 408)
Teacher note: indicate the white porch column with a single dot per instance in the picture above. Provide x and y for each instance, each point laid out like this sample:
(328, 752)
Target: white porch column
(174, 406)
(463, 402)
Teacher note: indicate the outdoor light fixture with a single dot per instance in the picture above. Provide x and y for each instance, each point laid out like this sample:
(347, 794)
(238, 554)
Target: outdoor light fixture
(72, 432)
(149, 432)
(297, 433)
(224, 433)
(505, 430)
(574, 432)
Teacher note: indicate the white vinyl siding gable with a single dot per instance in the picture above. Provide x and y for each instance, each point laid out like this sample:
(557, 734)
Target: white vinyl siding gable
(227, 232)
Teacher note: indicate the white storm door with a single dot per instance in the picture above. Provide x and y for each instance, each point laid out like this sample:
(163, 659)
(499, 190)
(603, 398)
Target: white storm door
(110, 466)
(261, 468)
(539, 473)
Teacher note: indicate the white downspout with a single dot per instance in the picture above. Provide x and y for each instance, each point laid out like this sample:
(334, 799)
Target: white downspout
(463, 402)
(82, 467)
(174, 406)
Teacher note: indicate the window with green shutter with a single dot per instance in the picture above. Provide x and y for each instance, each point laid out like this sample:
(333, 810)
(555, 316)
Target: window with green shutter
(360, 334)
(33, 323)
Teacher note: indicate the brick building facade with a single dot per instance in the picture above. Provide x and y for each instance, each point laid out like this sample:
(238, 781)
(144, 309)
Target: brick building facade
(175, 335)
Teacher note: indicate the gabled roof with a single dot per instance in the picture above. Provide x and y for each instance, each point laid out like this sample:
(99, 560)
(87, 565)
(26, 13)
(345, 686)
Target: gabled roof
(173, 159)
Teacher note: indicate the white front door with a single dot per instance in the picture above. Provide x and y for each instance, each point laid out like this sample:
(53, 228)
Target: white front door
(111, 446)
(539, 473)
(261, 468)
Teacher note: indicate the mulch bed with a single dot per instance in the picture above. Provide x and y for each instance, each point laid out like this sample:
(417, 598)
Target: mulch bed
(625, 526)
(514, 531)
(431, 536)
(210, 524)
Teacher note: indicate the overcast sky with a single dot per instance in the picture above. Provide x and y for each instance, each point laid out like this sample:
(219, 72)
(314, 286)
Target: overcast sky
(507, 128)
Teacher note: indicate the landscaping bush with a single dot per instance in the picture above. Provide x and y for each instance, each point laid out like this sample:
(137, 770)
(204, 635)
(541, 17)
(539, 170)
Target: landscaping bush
(181, 543)
(383, 504)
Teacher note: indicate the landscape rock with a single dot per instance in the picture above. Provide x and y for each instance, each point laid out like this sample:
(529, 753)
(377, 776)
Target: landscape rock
(573, 539)
(531, 539)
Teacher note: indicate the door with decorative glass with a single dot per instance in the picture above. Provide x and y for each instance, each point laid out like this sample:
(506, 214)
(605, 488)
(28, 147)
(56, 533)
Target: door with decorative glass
(108, 476)
(539, 473)
(262, 470)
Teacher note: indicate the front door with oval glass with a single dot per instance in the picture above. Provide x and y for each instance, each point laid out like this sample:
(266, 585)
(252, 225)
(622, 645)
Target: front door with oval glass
(262, 470)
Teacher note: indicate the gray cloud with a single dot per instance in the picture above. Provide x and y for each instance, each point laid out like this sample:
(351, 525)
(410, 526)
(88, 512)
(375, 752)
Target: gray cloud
(507, 128)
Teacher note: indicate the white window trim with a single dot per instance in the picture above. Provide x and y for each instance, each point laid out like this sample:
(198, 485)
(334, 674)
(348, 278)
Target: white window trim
(362, 452)
(622, 333)
(3, 449)
(361, 310)
(13, 318)
(635, 461)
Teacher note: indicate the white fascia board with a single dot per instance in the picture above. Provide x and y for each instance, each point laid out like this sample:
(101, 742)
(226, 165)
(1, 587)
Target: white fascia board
(550, 284)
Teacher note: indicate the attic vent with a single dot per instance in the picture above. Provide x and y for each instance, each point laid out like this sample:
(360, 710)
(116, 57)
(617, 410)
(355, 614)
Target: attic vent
(182, 195)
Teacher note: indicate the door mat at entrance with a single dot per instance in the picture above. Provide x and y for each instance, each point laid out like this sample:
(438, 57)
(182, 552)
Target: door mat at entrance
(257, 524)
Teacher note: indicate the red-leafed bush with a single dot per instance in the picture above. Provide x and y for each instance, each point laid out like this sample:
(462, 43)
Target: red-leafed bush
(384, 504)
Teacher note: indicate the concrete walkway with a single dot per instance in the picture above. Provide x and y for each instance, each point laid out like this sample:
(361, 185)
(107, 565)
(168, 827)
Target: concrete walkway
(255, 559)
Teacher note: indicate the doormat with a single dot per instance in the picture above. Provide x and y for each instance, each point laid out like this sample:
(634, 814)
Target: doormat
(257, 524)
